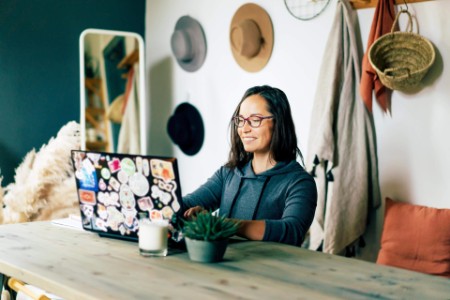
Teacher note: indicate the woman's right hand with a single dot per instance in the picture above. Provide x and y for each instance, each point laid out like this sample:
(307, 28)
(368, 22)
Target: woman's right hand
(192, 212)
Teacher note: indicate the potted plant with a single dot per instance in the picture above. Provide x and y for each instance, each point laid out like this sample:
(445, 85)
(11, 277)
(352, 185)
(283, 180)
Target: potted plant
(207, 235)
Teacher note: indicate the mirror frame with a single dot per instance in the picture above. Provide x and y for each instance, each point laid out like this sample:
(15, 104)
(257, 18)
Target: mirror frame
(141, 95)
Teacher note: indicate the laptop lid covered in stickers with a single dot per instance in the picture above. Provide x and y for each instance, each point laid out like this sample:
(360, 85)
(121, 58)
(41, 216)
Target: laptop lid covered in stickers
(115, 190)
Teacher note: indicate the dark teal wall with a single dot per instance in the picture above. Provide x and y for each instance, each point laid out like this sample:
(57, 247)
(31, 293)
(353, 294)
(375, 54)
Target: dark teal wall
(39, 66)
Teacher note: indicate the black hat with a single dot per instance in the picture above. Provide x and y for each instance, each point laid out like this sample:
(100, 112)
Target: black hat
(185, 128)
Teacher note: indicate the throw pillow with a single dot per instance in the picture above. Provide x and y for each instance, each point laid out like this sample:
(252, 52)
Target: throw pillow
(416, 238)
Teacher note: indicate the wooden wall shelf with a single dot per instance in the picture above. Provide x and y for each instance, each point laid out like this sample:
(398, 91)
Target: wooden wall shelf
(358, 4)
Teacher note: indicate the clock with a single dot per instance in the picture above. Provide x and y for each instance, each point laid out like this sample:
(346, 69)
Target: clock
(306, 9)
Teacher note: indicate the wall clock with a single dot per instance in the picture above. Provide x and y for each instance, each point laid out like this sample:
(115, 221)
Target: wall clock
(306, 9)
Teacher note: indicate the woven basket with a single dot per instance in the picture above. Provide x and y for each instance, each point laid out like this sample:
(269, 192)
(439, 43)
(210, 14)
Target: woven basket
(401, 59)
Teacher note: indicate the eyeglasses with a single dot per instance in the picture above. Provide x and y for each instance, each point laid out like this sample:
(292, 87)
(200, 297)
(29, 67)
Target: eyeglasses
(253, 121)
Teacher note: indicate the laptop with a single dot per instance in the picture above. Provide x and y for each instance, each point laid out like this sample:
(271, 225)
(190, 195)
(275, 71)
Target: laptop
(116, 190)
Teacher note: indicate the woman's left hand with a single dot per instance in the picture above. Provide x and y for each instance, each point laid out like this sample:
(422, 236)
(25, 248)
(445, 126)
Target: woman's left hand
(192, 212)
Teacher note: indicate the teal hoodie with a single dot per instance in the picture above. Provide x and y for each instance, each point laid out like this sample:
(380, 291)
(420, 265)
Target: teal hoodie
(284, 196)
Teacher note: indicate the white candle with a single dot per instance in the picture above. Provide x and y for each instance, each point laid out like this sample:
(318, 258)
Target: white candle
(153, 237)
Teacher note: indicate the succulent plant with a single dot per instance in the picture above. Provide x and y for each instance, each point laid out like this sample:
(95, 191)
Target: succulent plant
(209, 227)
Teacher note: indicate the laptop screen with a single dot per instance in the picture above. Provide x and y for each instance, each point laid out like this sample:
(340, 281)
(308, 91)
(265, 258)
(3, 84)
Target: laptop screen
(115, 190)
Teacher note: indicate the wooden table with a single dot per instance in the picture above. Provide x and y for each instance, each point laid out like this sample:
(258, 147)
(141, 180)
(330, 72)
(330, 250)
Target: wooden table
(80, 265)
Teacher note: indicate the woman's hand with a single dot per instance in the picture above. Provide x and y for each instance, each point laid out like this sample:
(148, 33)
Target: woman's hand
(192, 212)
(252, 230)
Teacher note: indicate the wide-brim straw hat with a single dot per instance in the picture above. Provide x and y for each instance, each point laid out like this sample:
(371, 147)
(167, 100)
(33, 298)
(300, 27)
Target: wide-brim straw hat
(188, 43)
(251, 37)
(401, 59)
(185, 128)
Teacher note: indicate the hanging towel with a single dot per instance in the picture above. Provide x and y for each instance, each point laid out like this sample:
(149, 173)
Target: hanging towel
(382, 23)
(341, 147)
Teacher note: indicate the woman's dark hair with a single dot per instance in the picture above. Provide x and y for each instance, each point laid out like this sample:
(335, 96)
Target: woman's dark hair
(283, 146)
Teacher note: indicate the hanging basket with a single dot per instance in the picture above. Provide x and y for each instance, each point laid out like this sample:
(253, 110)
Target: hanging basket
(401, 59)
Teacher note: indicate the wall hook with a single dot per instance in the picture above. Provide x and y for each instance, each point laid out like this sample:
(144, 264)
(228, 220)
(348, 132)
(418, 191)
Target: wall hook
(406, 4)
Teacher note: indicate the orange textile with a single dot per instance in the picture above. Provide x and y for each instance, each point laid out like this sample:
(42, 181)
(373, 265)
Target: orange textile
(382, 23)
(416, 238)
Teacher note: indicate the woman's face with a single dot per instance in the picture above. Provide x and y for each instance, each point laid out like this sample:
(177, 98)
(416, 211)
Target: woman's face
(255, 140)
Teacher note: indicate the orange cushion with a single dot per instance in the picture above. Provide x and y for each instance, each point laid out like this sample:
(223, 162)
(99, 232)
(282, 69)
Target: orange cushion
(416, 238)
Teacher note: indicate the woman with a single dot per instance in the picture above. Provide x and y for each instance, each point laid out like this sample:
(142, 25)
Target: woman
(262, 184)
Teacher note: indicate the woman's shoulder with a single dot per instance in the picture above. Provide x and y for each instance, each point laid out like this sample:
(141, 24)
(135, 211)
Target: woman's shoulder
(226, 172)
(294, 170)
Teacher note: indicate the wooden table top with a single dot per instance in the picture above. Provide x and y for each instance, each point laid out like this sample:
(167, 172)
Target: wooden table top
(76, 264)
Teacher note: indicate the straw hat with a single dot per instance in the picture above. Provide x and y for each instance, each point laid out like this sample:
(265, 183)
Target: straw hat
(115, 109)
(185, 128)
(188, 44)
(251, 37)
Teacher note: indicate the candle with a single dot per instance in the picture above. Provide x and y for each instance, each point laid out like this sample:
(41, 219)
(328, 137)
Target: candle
(153, 236)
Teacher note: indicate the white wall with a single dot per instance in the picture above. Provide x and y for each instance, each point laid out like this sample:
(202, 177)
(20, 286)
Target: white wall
(413, 144)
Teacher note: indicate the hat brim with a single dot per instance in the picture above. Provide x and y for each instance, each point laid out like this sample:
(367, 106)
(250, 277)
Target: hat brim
(251, 11)
(198, 41)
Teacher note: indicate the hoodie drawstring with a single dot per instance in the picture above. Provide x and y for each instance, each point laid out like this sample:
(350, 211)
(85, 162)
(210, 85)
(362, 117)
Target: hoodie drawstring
(260, 196)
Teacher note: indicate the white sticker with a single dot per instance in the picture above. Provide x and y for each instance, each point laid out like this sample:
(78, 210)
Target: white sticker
(139, 184)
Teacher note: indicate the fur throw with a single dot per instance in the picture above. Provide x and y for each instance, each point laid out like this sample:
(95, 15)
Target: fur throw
(44, 187)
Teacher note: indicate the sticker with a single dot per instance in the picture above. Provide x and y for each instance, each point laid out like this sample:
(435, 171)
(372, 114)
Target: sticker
(102, 184)
(145, 203)
(155, 215)
(130, 219)
(115, 218)
(139, 184)
(127, 165)
(161, 195)
(175, 205)
(122, 229)
(114, 198)
(167, 212)
(105, 173)
(139, 164)
(88, 166)
(122, 176)
(101, 211)
(145, 167)
(94, 157)
(162, 169)
(87, 196)
(114, 165)
(88, 210)
(100, 224)
(108, 199)
(126, 197)
(87, 176)
(114, 184)
(167, 186)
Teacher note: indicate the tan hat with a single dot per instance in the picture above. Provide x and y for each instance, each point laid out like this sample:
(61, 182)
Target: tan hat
(251, 37)
(114, 111)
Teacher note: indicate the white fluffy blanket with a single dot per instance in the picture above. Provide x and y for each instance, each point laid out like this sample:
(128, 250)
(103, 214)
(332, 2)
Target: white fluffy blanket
(44, 187)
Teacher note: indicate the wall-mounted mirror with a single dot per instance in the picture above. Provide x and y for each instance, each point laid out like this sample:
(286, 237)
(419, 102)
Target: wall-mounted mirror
(112, 104)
